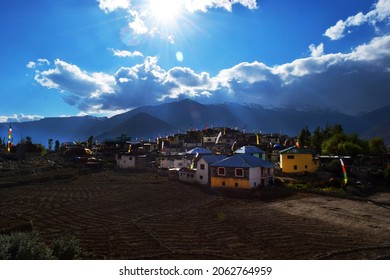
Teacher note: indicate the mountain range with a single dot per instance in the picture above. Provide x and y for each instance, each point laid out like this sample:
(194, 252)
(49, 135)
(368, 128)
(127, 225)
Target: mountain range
(169, 118)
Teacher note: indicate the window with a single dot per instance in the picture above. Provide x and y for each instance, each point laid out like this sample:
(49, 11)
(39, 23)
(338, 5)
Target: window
(202, 167)
(221, 171)
(295, 167)
(192, 175)
(290, 157)
(239, 172)
(236, 184)
(201, 177)
(130, 158)
(223, 183)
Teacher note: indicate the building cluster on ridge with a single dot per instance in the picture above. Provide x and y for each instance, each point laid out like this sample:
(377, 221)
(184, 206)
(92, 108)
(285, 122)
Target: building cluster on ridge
(218, 157)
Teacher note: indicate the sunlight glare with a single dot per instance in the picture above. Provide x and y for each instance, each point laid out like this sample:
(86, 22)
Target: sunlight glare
(167, 10)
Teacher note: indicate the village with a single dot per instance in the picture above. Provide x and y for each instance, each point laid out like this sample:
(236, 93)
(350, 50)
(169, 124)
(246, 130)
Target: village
(219, 157)
(215, 193)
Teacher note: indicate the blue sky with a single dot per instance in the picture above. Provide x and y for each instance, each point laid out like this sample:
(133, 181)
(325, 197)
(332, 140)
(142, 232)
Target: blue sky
(63, 58)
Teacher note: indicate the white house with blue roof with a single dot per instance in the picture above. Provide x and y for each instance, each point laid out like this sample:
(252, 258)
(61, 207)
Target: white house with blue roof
(203, 167)
(251, 150)
(242, 171)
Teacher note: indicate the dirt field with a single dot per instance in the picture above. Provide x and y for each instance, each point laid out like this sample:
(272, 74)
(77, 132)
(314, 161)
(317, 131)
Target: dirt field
(118, 215)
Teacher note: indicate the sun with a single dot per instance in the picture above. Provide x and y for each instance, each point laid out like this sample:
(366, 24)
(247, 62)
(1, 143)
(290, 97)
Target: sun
(165, 10)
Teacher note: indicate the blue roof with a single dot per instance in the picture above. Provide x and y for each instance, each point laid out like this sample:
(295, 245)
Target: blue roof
(249, 150)
(200, 151)
(210, 159)
(243, 161)
(296, 150)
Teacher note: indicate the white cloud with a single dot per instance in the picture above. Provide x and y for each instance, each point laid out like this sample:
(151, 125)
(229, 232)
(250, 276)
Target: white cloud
(109, 6)
(70, 78)
(19, 118)
(97, 110)
(375, 50)
(31, 64)
(138, 24)
(316, 51)
(337, 31)
(379, 13)
(43, 61)
(140, 14)
(124, 53)
(359, 79)
(40, 62)
(205, 5)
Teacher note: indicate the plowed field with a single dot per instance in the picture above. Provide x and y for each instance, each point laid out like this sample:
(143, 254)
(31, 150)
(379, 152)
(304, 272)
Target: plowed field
(118, 215)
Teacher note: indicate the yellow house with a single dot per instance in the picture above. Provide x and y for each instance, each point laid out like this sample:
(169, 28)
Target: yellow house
(298, 160)
(242, 171)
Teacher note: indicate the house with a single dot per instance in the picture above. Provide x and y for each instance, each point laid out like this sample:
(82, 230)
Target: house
(115, 145)
(199, 151)
(203, 168)
(187, 175)
(209, 141)
(131, 161)
(298, 160)
(271, 139)
(176, 161)
(251, 150)
(125, 161)
(242, 171)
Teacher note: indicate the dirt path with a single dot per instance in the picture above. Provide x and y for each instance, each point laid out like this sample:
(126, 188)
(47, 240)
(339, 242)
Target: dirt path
(136, 216)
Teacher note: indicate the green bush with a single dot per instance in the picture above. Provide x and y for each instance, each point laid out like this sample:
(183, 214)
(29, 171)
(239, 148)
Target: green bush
(29, 246)
(23, 246)
(66, 248)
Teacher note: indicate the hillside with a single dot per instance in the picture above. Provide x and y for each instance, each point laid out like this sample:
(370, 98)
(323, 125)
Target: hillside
(169, 118)
(138, 126)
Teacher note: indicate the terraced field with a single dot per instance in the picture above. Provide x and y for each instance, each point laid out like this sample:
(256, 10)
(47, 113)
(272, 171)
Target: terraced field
(118, 215)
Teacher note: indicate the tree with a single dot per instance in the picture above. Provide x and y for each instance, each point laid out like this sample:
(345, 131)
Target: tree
(333, 145)
(377, 147)
(352, 149)
(28, 140)
(317, 139)
(57, 146)
(304, 137)
(50, 144)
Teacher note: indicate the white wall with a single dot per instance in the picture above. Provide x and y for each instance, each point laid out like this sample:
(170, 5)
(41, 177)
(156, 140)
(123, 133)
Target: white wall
(254, 177)
(179, 163)
(125, 161)
(187, 177)
(204, 173)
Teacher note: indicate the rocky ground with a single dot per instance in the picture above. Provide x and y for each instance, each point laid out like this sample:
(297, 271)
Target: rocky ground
(120, 215)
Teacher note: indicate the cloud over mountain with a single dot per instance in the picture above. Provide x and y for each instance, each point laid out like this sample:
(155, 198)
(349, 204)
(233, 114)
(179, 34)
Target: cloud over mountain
(327, 80)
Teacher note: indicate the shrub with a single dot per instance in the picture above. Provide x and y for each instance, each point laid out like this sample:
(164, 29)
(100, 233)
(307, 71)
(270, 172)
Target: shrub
(23, 246)
(29, 246)
(66, 248)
